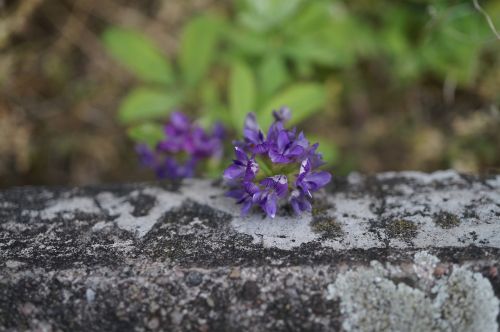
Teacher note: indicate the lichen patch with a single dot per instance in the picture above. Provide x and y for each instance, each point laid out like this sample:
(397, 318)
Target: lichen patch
(370, 300)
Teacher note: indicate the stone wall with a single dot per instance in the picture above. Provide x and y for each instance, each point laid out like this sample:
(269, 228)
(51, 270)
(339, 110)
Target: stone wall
(396, 251)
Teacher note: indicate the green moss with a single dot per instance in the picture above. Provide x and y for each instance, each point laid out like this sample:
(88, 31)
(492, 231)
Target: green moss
(402, 229)
(320, 205)
(446, 220)
(328, 227)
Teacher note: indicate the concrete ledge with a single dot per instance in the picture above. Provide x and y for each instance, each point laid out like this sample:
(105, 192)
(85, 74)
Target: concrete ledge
(396, 251)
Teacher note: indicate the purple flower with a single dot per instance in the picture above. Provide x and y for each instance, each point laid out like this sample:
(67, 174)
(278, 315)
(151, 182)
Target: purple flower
(146, 156)
(177, 132)
(315, 158)
(202, 145)
(172, 169)
(273, 188)
(278, 168)
(283, 114)
(244, 196)
(219, 131)
(299, 202)
(254, 137)
(308, 181)
(286, 149)
(185, 145)
(243, 168)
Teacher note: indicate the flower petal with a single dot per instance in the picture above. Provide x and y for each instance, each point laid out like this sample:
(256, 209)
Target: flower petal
(219, 131)
(251, 188)
(270, 205)
(179, 120)
(245, 208)
(251, 130)
(295, 151)
(251, 170)
(282, 141)
(283, 114)
(319, 179)
(281, 185)
(277, 157)
(240, 154)
(305, 167)
(146, 155)
(260, 148)
(234, 171)
(235, 193)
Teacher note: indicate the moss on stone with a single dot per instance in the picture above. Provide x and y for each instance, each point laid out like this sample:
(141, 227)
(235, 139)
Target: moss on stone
(320, 205)
(446, 220)
(402, 229)
(326, 226)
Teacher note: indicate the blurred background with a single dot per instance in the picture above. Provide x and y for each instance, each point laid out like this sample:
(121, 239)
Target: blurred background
(394, 86)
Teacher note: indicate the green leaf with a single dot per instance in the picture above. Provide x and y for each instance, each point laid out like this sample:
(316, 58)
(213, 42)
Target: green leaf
(304, 99)
(149, 133)
(269, 8)
(310, 50)
(322, 48)
(263, 15)
(211, 109)
(198, 42)
(241, 92)
(209, 94)
(273, 74)
(139, 54)
(146, 104)
(452, 48)
(327, 34)
(248, 42)
(311, 18)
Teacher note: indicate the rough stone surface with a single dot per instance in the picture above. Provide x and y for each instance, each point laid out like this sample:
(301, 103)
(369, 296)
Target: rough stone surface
(396, 251)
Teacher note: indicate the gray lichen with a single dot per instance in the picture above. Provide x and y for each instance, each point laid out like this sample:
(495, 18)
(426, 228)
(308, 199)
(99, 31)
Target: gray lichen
(370, 300)
(467, 302)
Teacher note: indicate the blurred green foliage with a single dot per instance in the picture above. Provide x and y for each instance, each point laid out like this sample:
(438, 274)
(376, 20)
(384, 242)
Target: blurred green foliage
(264, 54)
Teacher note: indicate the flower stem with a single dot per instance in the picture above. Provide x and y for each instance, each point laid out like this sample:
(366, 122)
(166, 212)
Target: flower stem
(264, 166)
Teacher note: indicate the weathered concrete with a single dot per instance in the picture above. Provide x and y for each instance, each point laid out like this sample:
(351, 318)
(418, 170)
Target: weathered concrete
(397, 251)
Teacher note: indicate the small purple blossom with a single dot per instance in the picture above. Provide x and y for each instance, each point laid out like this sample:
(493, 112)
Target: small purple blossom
(146, 156)
(244, 195)
(272, 189)
(286, 149)
(254, 137)
(243, 168)
(309, 181)
(274, 168)
(185, 145)
(299, 201)
(283, 114)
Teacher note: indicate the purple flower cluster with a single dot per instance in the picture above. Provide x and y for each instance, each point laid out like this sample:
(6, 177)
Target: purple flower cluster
(278, 167)
(184, 146)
